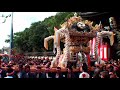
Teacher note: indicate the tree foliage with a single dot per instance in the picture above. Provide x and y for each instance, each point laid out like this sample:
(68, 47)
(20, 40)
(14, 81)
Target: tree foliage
(32, 39)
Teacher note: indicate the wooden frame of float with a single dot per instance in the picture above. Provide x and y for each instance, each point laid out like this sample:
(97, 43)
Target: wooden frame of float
(33, 69)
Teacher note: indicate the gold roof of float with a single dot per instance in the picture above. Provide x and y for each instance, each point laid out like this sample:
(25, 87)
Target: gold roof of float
(76, 19)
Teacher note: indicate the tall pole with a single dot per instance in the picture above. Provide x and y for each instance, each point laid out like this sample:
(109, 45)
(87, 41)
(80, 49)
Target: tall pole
(11, 37)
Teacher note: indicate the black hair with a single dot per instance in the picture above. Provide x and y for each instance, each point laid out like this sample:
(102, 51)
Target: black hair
(1, 57)
(111, 68)
(9, 70)
(69, 65)
(93, 63)
(8, 66)
(20, 66)
(85, 67)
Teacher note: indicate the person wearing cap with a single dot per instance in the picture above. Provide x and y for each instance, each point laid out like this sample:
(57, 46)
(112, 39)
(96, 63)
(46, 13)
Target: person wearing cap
(84, 73)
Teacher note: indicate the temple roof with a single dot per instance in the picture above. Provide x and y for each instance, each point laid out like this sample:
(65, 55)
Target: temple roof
(101, 16)
(91, 14)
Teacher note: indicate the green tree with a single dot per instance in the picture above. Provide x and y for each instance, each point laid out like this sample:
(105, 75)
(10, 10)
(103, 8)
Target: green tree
(32, 39)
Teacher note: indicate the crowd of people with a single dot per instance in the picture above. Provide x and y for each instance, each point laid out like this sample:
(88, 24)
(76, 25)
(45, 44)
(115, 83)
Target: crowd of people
(21, 68)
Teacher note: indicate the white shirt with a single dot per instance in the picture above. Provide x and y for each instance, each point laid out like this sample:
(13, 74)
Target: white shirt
(19, 75)
(47, 75)
(84, 75)
(57, 75)
(9, 77)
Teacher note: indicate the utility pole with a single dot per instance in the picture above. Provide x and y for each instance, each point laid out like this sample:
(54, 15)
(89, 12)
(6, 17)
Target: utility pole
(11, 37)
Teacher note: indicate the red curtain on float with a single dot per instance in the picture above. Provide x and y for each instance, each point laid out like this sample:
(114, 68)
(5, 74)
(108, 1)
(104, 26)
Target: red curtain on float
(104, 52)
(88, 56)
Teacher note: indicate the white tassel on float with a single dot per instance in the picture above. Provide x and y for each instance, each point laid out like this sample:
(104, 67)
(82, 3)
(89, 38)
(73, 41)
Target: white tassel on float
(45, 44)
(46, 41)
(57, 38)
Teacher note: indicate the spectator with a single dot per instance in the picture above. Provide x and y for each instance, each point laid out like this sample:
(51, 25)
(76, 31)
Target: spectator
(10, 72)
(70, 73)
(2, 72)
(39, 73)
(21, 72)
(58, 73)
(47, 72)
(96, 71)
(84, 73)
(104, 74)
(28, 73)
(113, 75)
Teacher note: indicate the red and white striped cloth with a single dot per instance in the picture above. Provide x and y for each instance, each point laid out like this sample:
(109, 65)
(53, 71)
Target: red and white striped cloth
(92, 47)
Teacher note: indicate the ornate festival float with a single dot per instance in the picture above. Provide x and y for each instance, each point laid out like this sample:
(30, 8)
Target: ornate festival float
(81, 40)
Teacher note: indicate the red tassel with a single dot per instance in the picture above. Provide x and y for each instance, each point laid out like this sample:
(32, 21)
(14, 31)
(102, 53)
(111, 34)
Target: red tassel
(89, 63)
(83, 75)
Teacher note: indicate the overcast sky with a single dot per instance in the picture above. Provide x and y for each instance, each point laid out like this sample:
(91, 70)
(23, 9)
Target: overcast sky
(21, 20)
